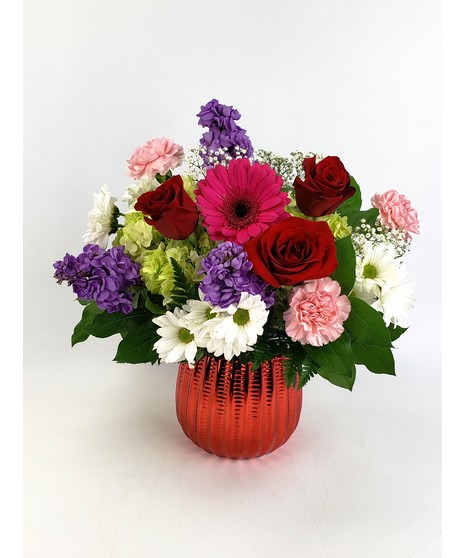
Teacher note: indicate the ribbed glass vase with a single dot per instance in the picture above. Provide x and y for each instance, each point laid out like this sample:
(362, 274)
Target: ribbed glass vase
(230, 410)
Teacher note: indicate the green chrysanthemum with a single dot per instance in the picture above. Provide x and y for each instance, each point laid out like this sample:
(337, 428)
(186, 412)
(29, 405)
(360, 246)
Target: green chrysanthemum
(157, 271)
(190, 185)
(136, 236)
(338, 225)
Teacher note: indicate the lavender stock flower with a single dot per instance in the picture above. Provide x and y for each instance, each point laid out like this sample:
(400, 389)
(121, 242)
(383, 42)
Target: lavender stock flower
(216, 115)
(224, 140)
(228, 274)
(101, 275)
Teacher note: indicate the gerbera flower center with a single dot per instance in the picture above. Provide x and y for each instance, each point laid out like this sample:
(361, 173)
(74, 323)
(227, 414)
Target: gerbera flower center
(241, 212)
(369, 271)
(241, 209)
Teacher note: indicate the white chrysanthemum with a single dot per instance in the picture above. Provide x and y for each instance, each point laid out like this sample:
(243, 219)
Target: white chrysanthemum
(198, 318)
(100, 226)
(375, 267)
(236, 328)
(133, 191)
(395, 298)
(176, 341)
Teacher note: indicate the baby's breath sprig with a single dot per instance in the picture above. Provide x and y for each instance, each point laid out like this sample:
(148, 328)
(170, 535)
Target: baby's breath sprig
(380, 234)
(288, 167)
(201, 159)
(195, 164)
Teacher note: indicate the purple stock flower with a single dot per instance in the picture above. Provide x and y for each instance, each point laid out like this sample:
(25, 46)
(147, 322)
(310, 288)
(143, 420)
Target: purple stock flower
(223, 134)
(65, 269)
(215, 115)
(228, 273)
(101, 275)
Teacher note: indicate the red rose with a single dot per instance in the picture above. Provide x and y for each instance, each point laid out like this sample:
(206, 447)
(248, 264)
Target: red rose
(292, 251)
(326, 186)
(169, 209)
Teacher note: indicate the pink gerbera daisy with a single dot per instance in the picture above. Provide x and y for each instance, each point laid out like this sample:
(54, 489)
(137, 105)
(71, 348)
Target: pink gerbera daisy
(240, 201)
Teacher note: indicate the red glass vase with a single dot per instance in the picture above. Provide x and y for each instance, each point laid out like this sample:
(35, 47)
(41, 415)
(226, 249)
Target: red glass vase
(230, 410)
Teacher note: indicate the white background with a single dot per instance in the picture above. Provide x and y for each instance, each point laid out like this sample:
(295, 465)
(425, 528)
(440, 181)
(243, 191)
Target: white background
(108, 471)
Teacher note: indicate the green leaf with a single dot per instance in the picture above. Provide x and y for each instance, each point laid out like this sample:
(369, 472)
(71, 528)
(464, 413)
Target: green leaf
(160, 178)
(183, 288)
(81, 331)
(345, 271)
(396, 332)
(370, 215)
(154, 308)
(336, 361)
(354, 203)
(307, 370)
(105, 325)
(292, 363)
(260, 353)
(137, 346)
(289, 371)
(377, 359)
(366, 325)
(135, 299)
(339, 380)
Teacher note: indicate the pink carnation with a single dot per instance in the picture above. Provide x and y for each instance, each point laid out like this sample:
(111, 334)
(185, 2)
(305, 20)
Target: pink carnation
(396, 211)
(240, 201)
(157, 156)
(316, 312)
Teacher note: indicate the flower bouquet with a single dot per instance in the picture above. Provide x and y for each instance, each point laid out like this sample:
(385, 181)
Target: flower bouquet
(242, 259)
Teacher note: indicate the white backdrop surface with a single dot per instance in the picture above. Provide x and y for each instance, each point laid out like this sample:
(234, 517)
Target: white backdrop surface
(108, 471)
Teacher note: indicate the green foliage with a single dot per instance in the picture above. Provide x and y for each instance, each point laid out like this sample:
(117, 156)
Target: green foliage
(351, 208)
(292, 363)
(183, 289)
(345, 271)
(307, 370)
(354, 203)
(81, 331)
(137, 346)
(163, 177)
(371, 339)
(260, 354)
(396, 332)
(137, 330)
(366, 325)
(379, 360)
(155, 309)
(340, 380)
(265, 349)
(370, 216)
(335, 361)
(106, 325)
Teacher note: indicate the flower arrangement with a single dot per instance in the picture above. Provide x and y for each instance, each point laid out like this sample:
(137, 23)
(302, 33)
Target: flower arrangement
(246, 255)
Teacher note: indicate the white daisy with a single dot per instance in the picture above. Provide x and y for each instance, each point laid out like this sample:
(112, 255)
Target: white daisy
(102, 219)
(236, 328)
(176, 341)
(133, 191)
(395, 298)
(375, 266)
(198, 317)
